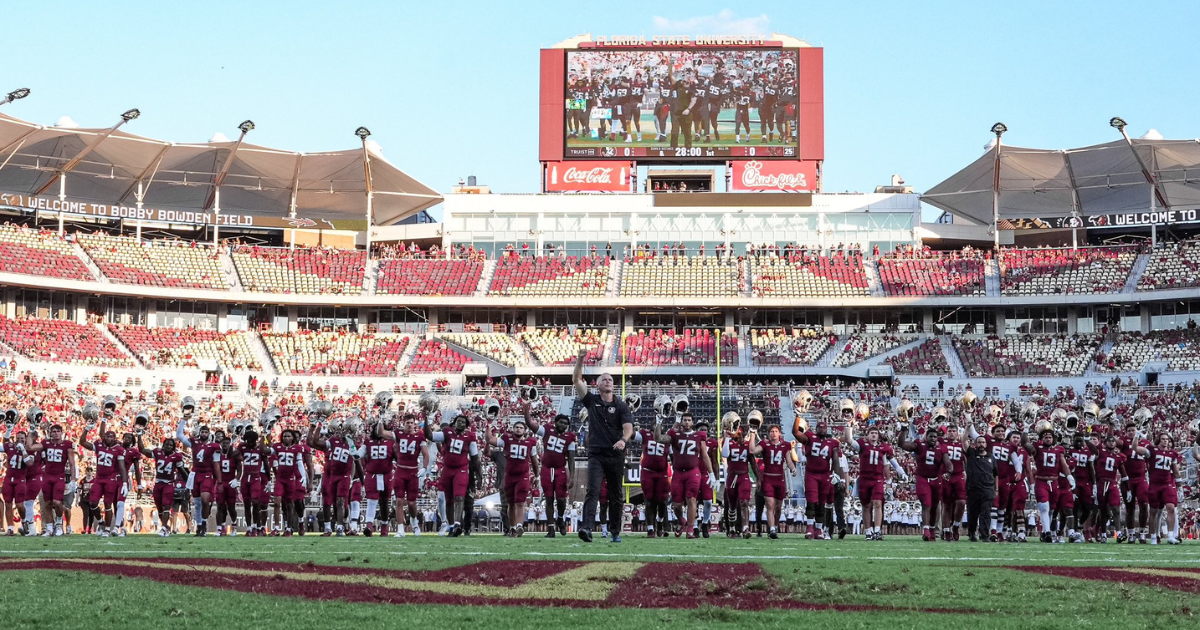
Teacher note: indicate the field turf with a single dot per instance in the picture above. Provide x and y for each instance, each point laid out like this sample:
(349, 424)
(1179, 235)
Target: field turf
(493, 582)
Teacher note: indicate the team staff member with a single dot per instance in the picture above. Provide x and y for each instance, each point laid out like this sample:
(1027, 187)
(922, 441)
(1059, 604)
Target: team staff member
(610, 427)
(981, 486)
(684, 100)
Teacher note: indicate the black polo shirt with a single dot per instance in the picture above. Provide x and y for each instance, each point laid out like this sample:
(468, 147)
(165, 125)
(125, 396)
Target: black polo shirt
(605, 420)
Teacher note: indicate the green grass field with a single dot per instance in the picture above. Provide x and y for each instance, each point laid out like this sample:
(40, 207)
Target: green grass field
(495, 582)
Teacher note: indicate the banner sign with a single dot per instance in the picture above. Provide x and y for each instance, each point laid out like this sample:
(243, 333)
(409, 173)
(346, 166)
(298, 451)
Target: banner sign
(784, 176)
(588, 176)
(1127, 219)
(159, 215)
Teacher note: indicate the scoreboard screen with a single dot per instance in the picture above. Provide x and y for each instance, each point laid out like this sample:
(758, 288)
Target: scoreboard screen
(681, 104)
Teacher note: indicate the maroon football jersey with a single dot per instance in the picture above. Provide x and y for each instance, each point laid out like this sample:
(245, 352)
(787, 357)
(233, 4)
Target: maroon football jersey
(54, 458)
(408, 449)
(1079, 458)
(288, 460)
(1046, 458)
(517, 454)
(1108, 465)
(555, 447)
(1002, 452)
(774, 457)
(821, 452)
(203, 456)
(738, 460)
(928, 461)
(685, 449)
(338, 461)
(1135, 465)
(166, 467)
(456, 449)
(955, 451)
(654, 454)
(872, 459)
(381, 457)
(1162, 462)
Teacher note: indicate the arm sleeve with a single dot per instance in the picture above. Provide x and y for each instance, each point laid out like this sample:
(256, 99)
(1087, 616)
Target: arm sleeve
(360, 451)
(179, 435)
(854, 446)
(499, 443)
(971, 432)
(474, 449)
(438, 436)
(541, 432)
(896, 465)
(724, 449)
(571, 448)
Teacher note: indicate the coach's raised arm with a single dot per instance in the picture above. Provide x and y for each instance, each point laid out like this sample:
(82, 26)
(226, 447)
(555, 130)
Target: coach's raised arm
(609, 429)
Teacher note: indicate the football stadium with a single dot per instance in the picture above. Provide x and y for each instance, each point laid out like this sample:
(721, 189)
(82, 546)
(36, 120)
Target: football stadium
(704, 387)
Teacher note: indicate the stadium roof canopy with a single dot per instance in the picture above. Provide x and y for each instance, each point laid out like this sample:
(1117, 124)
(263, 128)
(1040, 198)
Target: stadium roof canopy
(1102, 179)
(106, 165)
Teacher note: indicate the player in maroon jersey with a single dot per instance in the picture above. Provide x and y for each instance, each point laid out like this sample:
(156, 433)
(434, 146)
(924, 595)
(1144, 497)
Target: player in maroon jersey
(110, 475)
(377, 455)
(928, 471)
(823, 453)
(655, 481)
(206, 471)
(1050, 462)
(1163, 493)
(954, 483)
(1018, 496)
(460, 453)
(689, 460)
(1082, 458)
(1110, 469)
(414, 463)
(225, 495)
(252, 457)
(739, 486)
(1137, 489)
(875, 456)
(133, 465)
(17, 461)
(776, 454)
(998, 446)
(291, 478)
(706, 489)
(168, 467)
(558, 465)
(520, 458)
(338, 474)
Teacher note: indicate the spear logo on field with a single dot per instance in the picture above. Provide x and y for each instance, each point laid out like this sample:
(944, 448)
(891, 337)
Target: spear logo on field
(596, 175)
(752, 177)
(301, 223)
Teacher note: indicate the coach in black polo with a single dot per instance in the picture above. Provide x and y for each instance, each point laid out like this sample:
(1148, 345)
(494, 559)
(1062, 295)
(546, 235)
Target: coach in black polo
(609, 429)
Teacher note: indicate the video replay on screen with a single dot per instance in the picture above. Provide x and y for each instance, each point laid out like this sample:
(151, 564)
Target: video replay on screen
(681, 104)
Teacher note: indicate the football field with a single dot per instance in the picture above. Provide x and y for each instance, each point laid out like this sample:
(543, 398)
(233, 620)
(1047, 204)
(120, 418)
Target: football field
(494, 582)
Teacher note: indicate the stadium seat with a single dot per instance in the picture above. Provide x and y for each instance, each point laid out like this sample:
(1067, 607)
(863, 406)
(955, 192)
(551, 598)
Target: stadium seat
(428, 277)
(336, 353)
(804, 275)
(926, 359)
(1132, 351)
(668, 276)
(585, 276)
(693, 346)
(1172, 267)
(169, 264)
(781, 346)
(499, 347)
(186, 347)
(932, 274)
(62, 341)
(39, 253)
(433, 356)
(1047, 271)
(1026, 355)
(560, 346)
(300, 270)
(859, 348)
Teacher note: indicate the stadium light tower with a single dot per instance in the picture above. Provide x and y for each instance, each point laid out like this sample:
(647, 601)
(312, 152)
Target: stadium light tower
(363, 133)
(1156, 193)
(15, 95)
(998, 129)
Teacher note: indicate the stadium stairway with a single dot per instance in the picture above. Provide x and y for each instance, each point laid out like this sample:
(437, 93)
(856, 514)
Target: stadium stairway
(745, 352)
(880, 358)
(116, 341)
(485, 278)
(87, 261)
(495, 368)
(956, 367)
(371, 277)
(1135, 274)
(615, 267)
(991, 279)
(871, 270)
(261, 354)
(831, 353)
(231, 275)
(410, 351)
(1105, 349)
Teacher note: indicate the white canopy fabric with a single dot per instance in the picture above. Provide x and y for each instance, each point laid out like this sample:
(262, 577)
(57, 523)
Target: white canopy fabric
(1102, 179)
(260, 181)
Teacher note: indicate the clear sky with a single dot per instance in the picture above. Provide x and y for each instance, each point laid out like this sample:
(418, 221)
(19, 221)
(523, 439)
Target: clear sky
(449, 89)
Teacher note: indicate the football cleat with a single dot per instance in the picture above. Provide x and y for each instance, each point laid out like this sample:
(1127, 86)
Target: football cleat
(368, 531)
(383, 530)
(58, 530)
(841, 533)
(585, 535)
(746, 533)
(773, 535)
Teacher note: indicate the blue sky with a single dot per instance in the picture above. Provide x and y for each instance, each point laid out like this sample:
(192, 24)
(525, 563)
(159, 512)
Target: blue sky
(449, 89)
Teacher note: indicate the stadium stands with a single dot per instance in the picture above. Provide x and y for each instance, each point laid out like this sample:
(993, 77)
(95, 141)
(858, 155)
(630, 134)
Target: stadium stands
(62, 341)
(1058, 271)
(1174, 267)
(303, 271)
(560, 346)
(336, 353)
(499, 347)
(808, 276)
(937, 275)
(1026, 355)
(694, 346)
(798, 346)
(669, 276)
(187, 347)
(434, 356)
(550, 276)
(428, 277)
(1132, 351)
(171, 264)
(859, 348)
(39, 253)
(926, 359)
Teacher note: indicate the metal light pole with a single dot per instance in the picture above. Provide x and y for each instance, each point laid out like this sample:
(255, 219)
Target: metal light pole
(998, 129)
(15, 95)
(1156, 194)
(363, 133)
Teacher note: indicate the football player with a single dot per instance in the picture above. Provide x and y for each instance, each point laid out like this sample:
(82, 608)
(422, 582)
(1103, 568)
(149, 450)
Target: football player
(226, 494)
(1050, 462)
(928, 471)
(206, 471)
(776, 454)
(338, 473)
(460, 452)
(1110, 469)
(58, 473)
(17, 461)
(520, 454)
(1137, 490)
(655, 482)
(110, 474)
(689, 460)
(823, 452)
(1082, 456)
(168, 465)
(558, 467)
(252, 457)
(1163, 494)
(291, 479)
(954, 483)
(874, 458)
(706, 489)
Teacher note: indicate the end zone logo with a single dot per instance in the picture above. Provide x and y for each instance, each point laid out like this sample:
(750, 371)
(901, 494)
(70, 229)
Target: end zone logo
(789, 176)
(588, 176)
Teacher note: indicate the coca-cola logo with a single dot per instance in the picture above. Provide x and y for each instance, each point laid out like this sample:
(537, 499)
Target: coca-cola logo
(598, 175)
(753, 177)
